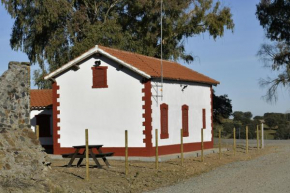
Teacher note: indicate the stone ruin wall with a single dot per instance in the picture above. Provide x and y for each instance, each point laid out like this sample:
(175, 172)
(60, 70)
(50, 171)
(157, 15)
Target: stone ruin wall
(22, 159)
(15, 96)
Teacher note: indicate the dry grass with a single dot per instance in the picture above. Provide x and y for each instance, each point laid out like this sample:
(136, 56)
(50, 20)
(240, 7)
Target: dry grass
(142, 175)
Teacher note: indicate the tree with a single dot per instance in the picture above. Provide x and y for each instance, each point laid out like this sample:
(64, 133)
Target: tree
(274, 18)
(258, 118)
(275, 119)
(283, 132)
(228, 128)
(244, 118)
(55, 32)
(222, 108)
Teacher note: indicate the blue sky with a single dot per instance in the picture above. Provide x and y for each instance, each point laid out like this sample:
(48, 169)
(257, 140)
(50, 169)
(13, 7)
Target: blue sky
(231, 59)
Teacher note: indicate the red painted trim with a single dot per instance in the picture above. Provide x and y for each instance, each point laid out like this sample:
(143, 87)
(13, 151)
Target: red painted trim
(162, 150)
(148, 152)
(203, 119)
(147, 115)
(185, 126)
(55, 113)
(104, 70)
(187, 147)
(164, 134)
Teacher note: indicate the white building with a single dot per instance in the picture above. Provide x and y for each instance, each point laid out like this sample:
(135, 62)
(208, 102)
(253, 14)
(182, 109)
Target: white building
(41, 115)
(109, 91)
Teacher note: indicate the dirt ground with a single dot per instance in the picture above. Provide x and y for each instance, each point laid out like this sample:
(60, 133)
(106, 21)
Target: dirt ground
(142, 175)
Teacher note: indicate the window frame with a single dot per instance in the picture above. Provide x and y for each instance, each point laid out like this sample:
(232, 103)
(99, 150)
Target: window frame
(185, 125)
(164, 134)
(204, 118)
(104, 70)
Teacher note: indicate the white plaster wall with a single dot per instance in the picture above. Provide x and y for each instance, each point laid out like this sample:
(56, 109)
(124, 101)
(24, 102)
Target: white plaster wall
(106, 112)
(33, 113)
(197, 97)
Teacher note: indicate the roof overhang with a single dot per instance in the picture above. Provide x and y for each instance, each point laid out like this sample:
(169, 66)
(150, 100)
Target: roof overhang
(89, 53)
(188, 81)
(40, 107)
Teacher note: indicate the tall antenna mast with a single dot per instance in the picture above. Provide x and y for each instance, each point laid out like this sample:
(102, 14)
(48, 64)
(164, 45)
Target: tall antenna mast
(161, 43)
(159, 85)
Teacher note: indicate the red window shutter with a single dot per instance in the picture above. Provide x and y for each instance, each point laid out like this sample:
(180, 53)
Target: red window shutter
(203, 119)
(184, 109)
(164, 121)
(100, 77)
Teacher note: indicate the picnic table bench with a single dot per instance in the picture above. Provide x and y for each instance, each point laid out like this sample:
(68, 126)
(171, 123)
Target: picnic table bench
(81, 156)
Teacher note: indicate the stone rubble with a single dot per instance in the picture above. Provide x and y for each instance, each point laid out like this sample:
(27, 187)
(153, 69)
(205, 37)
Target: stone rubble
(23, 162)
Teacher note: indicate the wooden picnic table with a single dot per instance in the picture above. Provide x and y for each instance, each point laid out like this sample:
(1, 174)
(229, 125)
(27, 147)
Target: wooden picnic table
(81, 156)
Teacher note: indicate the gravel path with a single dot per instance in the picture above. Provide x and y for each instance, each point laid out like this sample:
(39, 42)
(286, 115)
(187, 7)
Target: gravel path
(268, 173)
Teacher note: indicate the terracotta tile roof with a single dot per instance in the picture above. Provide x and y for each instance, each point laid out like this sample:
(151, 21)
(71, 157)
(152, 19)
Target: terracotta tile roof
(152, 66)
(40, 98)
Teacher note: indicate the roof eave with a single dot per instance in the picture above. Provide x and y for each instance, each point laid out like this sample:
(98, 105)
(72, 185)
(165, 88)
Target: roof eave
(204, 82)
(88, 54)
(72, 63)
(143, 74)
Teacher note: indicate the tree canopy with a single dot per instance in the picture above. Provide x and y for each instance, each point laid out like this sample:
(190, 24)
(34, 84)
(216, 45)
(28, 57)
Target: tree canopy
(243, 118)
(222, 108)
(54, 32)
(275, 119)
(274, 18)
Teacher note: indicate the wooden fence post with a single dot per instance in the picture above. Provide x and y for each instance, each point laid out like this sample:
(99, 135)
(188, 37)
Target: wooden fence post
(247, 140)
(202, 145)
(37, 132)
(258, 143)
(156, 149)
(181, 145)
(220, 144)
(262, 133)
(87, 155)
(234, 141)
(126, 153)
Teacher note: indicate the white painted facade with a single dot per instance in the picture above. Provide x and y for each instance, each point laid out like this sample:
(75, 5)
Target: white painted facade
(105, 112)
(33, 114)
(108, 112)
(197, 97)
